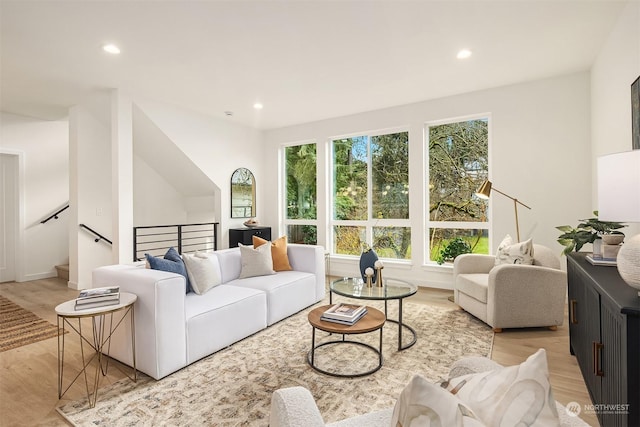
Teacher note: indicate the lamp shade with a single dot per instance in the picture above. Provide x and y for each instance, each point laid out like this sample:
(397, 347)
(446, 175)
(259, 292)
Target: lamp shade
(485, 190)
(619, 187)
(619, 201)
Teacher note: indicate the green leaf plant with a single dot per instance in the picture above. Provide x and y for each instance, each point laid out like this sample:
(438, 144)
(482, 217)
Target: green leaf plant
(452, 249)
(587, 231)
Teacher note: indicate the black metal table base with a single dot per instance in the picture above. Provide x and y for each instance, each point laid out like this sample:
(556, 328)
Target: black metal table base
(410, 329)
(311, 356)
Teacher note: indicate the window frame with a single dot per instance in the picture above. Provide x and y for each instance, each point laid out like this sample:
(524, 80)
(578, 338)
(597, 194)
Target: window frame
(370, 223)
(466, 225)
(285, 221)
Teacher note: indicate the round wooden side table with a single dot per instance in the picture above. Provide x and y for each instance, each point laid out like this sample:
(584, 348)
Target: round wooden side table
(370, 322)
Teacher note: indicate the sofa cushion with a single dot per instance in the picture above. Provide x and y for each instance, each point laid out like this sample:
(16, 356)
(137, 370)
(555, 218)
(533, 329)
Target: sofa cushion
(514, 395)
(278, 252)
(209, 318)
(172, 262)
(474, 285)
(203, 271)
(230, 263)
(287, 292)
(422, 403)
(514, 253)
(255, 261)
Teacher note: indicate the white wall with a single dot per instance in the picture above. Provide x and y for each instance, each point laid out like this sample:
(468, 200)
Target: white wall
(217, 147)
(121, 176)
(615, 68)
(44, 147)
(90, 190)
(155, 201)
(538, 151)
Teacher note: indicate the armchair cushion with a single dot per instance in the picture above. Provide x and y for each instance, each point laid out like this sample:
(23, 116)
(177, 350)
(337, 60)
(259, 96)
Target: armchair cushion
(474, 285)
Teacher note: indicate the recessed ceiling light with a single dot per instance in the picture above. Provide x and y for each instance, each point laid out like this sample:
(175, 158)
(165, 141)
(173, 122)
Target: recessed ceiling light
(111, 48)
(257, 106)
(228, 113)
(463, 54)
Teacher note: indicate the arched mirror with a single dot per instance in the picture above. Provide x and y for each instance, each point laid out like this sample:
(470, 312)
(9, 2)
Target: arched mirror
(243, 194)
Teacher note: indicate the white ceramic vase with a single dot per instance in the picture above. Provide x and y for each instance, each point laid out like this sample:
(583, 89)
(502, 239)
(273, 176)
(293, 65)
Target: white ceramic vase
(629, 262)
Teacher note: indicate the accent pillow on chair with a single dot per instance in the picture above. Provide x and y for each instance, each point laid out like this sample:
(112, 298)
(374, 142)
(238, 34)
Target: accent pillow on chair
(514, 253)
(510, 396)
(422, 403)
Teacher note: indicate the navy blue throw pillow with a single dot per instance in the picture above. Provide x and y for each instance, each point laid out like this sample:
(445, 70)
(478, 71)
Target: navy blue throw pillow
(172, 263)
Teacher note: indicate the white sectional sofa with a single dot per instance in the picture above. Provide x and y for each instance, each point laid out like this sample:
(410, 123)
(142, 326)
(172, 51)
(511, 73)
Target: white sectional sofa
(174, 329)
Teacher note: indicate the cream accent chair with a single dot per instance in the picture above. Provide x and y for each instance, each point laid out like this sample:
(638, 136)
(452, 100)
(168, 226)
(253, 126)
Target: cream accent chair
(512, 295)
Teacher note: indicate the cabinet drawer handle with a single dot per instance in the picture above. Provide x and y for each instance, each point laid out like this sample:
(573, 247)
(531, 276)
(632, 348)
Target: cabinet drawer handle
(597, 351)
(572, 309)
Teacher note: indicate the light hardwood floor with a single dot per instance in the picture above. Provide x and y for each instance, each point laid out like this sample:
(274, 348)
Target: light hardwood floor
(28, 374)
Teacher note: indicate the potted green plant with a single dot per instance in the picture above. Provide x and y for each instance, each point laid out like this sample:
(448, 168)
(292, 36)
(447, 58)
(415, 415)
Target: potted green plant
(452, 249)
(588, 231)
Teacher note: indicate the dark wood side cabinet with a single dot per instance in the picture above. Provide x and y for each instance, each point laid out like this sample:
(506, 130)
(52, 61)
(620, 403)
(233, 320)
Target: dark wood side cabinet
(604, 331)
(243, 235)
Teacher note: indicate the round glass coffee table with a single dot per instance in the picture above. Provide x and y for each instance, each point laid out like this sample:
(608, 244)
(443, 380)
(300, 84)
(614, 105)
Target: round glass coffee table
(354, 287)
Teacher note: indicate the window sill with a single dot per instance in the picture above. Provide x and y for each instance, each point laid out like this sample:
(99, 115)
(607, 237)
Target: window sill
(447, 266)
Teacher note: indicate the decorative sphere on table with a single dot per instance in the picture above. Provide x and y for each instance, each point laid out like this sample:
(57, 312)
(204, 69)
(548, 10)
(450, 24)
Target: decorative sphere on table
(629, 262)
(368, 260)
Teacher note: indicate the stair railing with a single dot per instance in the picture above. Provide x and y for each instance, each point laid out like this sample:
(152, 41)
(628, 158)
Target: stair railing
(98, 235)
(156, 239)
(55, 214)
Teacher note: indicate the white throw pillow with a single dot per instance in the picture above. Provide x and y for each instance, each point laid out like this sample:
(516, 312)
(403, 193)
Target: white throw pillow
(256, 262)
(514, 253)
(422, 403)
(203, 271)
(510, 396)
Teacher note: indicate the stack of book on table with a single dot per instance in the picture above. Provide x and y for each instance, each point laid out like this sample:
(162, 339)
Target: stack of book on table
(98, 297)
(346, 314)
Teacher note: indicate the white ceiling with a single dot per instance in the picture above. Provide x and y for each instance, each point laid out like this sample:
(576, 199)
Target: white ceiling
(304, 60)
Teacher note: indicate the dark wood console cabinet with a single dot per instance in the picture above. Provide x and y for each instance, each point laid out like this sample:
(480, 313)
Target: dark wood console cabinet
(244, 235)
(604, 331)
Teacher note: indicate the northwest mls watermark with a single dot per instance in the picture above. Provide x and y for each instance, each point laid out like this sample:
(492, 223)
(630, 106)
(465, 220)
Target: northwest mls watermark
(574, 409)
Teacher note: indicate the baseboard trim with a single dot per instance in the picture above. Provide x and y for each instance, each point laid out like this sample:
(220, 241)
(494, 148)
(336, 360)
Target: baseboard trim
(39, 276)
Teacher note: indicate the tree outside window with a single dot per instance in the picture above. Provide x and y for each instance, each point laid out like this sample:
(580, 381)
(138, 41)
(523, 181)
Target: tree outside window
(458, 164)
(371, 195)
(300, 183)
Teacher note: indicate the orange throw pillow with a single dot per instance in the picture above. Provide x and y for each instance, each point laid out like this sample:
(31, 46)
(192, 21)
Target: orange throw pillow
(278, 252)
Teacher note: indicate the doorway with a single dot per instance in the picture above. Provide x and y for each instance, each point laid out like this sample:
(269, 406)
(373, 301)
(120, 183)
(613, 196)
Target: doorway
(9, 208)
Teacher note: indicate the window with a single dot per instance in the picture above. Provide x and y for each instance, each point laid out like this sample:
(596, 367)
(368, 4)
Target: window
(300, 184)
(458, 164)
(371, 195)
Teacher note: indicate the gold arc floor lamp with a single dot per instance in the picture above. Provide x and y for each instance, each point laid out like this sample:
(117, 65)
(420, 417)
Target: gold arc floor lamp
(485, 191)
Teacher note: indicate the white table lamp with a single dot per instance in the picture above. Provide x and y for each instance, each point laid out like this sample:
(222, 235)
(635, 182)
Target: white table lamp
(619, 200)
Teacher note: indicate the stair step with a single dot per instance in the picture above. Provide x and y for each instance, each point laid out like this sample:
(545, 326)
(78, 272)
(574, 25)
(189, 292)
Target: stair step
(63, 271)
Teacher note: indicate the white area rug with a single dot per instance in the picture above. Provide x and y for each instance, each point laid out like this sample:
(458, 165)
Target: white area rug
(233, 387)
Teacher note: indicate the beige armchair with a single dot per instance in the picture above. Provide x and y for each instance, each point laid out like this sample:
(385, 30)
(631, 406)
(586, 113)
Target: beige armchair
(511, 295)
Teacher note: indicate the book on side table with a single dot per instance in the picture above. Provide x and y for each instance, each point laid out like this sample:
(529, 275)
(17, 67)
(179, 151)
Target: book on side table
(346, 314)
(98, 297)
(611, 262)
